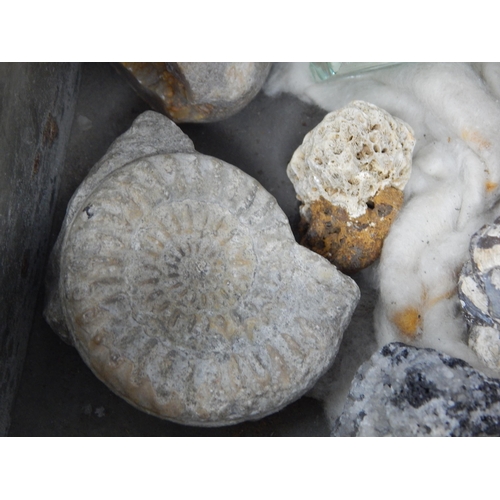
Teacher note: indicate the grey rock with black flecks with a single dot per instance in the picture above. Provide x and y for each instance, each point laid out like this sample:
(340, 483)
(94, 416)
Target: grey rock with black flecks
(408, 391)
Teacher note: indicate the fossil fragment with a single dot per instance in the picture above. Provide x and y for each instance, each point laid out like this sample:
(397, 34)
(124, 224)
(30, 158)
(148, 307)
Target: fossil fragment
(349, 174)
(479, 293)
(197, 92)
(177, 278)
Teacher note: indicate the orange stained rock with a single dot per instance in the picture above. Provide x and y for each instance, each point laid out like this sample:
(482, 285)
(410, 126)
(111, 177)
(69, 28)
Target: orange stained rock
(351, 243)
(408, 321)
(165, 88)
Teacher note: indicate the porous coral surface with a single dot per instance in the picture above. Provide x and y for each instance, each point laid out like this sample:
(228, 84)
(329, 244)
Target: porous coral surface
(354, 153)
(349, 173)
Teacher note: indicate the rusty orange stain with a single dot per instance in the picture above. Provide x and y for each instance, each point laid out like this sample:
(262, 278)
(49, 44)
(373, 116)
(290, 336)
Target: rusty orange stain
(475, 137)
(408, 321)
(432, 301)
(491, 186)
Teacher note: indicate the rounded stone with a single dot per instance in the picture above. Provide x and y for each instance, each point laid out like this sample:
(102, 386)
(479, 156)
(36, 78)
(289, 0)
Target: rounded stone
(408, 391)
(178, 280)
(349, 174)
(479, 294)
(197, 92)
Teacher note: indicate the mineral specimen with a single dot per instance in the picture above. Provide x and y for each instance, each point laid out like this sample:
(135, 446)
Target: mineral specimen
(349, 174)
(406, 391)
(177, 278)
(479, 293)
(196, 92)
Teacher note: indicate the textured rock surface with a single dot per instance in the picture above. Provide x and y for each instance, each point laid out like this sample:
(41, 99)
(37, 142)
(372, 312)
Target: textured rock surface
(349, 174)
(479, 294)
(406, 391)
(149, 134)
(178, 279)
(351, 244)
(197, 92)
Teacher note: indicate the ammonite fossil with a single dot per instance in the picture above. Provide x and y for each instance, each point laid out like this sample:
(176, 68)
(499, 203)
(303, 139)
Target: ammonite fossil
(178, 280)
(479, 293)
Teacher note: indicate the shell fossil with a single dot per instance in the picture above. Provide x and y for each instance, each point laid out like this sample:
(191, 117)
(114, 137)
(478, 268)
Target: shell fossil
(177, 278)
(479, 294)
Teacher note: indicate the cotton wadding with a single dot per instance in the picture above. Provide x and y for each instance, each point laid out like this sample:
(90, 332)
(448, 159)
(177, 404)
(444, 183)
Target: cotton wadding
(453, 190)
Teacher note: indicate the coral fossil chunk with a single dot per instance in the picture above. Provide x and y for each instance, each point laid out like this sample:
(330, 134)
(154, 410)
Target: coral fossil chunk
(182, 287)
(349, 174)
(197, 91)
(479, 293)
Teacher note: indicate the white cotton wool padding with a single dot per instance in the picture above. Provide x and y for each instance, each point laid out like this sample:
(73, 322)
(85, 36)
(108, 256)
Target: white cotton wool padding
(453, 190)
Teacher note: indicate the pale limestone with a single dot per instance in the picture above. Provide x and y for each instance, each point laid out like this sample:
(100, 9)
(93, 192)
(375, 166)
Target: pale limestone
(351, 155)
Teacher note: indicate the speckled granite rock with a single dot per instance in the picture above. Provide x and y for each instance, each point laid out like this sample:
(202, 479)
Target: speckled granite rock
(197, 92)
(178, 279)
(349, 174)
(406, 391)
(479, 293)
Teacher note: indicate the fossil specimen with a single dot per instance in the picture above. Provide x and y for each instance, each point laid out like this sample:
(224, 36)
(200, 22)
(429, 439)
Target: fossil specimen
(177, 278)
(349, 174)
(479, 293)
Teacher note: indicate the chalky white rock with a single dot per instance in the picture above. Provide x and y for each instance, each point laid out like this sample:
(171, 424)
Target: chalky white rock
(178, 279)
(351, 155)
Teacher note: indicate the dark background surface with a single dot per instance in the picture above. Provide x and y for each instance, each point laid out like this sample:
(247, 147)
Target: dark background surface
(37, 104)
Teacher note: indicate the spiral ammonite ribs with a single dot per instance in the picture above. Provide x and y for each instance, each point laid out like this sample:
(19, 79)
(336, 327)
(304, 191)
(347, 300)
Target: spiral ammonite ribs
(182, 288)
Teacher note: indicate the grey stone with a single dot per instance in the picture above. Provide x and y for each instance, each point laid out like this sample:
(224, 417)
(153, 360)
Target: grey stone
(196, 92)
(36, 111)
(178, 279)
(407, 391)
(479, 294)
